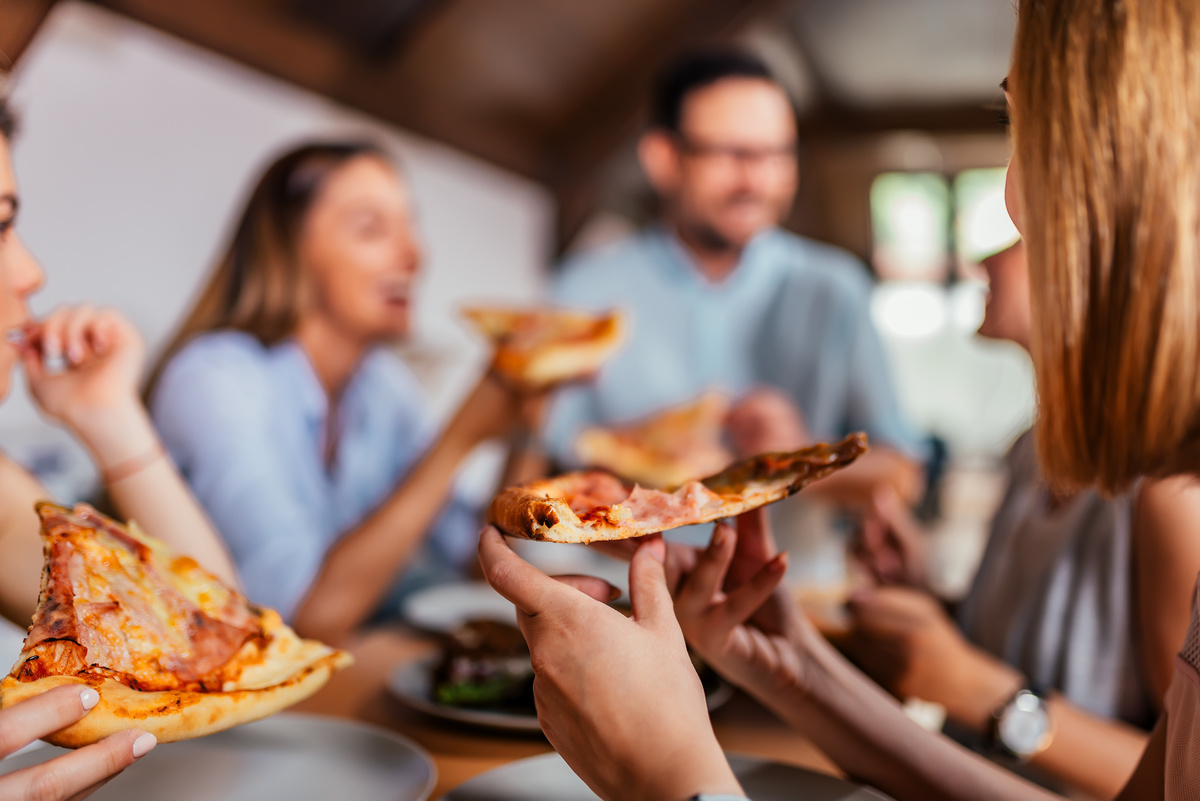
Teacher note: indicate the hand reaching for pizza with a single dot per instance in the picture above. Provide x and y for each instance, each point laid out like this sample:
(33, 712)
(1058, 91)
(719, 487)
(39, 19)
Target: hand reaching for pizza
(766, 420)
(75, 775)
(618, 697)
(890, 542)
(83, 363)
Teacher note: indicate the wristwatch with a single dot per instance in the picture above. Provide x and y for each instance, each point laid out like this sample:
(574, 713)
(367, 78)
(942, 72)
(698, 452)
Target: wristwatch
(1022, 727)
(717, 797)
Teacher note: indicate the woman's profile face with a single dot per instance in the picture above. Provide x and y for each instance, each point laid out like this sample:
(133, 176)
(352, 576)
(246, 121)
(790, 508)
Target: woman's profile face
(20, 274)
(358, 241)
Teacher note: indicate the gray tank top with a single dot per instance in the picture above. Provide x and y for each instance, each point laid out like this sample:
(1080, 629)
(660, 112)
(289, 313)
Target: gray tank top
(1054, 597)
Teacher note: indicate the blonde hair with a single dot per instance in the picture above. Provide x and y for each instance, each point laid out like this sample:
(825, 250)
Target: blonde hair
(259, 286)
(1105, 99)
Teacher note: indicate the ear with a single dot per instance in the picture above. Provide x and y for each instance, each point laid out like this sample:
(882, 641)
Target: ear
(659, 156)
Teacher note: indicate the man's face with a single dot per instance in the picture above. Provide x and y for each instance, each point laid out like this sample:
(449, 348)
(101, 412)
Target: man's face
(731, 171)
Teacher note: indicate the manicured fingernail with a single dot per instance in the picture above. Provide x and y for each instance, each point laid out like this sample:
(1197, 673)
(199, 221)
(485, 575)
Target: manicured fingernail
(75, 354)
(144, 745)
(89, 698)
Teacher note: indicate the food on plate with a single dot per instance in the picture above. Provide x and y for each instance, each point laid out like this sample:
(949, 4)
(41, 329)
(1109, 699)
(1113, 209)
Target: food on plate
(485, 665)
(664, 450)
(590, 505)
(169, 648)
(538, 348)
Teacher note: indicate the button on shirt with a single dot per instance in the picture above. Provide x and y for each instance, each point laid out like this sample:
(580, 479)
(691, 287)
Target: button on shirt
(247, 424)
(793, 314)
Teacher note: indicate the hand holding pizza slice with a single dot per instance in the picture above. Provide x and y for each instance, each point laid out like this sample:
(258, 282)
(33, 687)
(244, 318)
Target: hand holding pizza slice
(168, 647)
(594, 506)
(539, 348)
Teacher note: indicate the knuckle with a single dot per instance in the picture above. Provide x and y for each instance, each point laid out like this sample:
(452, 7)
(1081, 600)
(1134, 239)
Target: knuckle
(47, 784)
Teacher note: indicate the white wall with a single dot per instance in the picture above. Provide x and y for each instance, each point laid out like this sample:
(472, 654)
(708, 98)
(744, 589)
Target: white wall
(134, 153)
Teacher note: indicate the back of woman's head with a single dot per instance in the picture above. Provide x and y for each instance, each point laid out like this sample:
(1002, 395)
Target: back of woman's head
(1105, 100)
(260, 285)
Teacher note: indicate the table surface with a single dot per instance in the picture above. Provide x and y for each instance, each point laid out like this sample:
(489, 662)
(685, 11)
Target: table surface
(461, 752)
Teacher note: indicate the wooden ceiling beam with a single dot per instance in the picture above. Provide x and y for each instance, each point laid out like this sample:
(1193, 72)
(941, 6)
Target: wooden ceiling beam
(19, 23)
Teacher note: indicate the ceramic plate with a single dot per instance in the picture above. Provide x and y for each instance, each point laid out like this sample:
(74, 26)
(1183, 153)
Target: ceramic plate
(446, 606)
(548, 778)
(412, 682)
(288, 756)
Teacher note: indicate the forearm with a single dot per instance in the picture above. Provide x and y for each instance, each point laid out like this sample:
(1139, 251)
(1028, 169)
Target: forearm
(865, 732)
(147, 487)
(363, 564)
(1087, 752)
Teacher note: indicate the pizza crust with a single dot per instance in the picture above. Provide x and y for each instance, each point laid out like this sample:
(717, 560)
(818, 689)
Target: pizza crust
(173, 715)
(556, 359)
(540, 510)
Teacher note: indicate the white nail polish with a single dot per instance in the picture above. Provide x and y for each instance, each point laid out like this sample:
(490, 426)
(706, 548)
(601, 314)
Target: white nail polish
(16, 336)
(89, 698)
(54, 363)
(143, 745)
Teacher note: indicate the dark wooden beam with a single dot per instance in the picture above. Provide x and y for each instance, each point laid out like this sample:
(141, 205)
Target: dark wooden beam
(19, 23)
(831, 119)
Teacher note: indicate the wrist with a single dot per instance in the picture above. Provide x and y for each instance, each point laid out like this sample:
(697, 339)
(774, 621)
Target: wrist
(984, 685)
(704, 774)
(114, 433)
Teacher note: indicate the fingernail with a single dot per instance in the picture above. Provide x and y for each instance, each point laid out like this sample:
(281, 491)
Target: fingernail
(144, 745)
(779, 563)
(75, 354)
(89, 698)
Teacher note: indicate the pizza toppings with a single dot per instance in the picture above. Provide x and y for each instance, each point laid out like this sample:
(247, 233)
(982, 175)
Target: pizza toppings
(539, 348)
(591, 506)
(168, 646)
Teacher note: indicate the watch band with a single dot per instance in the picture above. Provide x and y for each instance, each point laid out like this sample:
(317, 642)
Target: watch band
(717, 797)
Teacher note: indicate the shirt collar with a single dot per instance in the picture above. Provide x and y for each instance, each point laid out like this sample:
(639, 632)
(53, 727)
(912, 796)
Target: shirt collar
(680, 264)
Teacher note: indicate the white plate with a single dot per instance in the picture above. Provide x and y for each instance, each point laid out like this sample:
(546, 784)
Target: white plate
(445, 607)
(412, 683)
(290, 757)
(548, 778)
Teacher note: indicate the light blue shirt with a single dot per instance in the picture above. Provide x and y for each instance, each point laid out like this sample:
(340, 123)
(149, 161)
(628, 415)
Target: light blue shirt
(246, 425)
(793, 314)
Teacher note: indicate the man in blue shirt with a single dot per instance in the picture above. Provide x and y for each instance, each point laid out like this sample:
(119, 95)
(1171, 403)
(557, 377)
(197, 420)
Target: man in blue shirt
(720, 297)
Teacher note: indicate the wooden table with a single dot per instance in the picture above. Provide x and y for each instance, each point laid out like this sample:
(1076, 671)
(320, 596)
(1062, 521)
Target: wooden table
(461, 752)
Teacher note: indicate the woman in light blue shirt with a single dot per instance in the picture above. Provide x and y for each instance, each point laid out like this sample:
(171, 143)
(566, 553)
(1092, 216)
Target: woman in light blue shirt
(305, 440)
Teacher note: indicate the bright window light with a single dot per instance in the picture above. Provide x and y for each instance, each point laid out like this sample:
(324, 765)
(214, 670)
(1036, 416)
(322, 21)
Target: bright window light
(909, 309)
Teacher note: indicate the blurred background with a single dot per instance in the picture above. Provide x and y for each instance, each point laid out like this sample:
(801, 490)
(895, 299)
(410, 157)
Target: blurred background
(144, 120)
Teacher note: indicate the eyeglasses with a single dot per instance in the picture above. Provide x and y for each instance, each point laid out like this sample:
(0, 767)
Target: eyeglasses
(736, 155)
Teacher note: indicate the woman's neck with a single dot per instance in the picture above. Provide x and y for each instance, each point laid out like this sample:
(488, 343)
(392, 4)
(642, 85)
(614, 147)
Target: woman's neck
(335, 355)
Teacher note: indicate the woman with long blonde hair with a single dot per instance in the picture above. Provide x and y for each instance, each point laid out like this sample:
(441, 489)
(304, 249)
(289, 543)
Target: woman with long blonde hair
(1105, 185)
(305, 439)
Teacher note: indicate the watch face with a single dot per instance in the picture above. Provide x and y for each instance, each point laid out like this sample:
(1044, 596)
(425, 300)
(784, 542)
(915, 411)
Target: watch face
(1024, 725)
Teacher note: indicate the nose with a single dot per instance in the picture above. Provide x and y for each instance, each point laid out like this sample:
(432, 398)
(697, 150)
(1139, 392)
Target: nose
(23, 268)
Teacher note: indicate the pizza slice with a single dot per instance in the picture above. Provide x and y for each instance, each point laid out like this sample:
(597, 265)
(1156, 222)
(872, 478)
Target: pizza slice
(169, 648)
(538, 348)
(591, 505)
(666, 449)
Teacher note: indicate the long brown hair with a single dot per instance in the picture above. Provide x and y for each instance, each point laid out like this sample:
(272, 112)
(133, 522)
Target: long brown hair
(1105, 102)
(259, 285)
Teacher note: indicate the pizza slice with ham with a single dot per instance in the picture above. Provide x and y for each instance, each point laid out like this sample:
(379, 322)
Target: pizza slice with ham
(169, 648)
(538, 348)
(592, 505)
(665, 449)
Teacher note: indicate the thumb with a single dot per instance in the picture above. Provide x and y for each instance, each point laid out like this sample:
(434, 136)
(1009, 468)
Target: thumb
(648, 591)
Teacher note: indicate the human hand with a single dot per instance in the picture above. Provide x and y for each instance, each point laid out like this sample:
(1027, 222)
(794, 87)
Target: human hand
(496, 407)
(737, 616)
(72, 776)
(617, 697)
(82, 364)
(891, 544)
(903, 639)
(765, 420)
